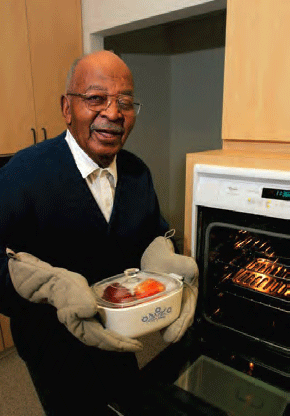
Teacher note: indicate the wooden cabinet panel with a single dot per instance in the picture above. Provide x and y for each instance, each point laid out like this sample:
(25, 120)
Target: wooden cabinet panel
(257, 75)
(7, 340)
(1, 340)
(55, 36)
(39, 41)
(17, 115)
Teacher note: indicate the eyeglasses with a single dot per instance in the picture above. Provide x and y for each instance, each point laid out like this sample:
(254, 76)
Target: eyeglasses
(101, 102)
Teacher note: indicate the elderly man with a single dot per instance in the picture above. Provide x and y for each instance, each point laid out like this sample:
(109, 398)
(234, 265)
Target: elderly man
(75, 210)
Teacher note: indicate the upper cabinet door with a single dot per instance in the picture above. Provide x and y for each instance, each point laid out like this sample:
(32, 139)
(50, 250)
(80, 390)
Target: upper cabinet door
(17, 116)
(55, 36)
(257, 71)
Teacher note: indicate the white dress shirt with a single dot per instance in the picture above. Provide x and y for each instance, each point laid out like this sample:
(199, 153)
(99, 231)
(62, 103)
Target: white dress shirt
(101, 182)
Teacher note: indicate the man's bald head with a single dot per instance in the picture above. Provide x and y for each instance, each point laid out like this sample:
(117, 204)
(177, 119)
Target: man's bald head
(98, 59)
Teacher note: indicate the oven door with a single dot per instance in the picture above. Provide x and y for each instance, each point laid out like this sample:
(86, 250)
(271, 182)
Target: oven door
(244, 301)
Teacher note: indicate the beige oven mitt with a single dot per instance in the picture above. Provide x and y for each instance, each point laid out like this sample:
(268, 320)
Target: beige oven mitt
(71, 295)
(161, 257)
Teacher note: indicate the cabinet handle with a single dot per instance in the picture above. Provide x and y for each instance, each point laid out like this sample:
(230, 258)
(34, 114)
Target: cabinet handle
(44, 133)
(34, 135)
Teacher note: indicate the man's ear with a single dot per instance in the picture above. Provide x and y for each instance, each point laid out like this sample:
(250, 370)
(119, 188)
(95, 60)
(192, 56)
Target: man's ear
(65, 108)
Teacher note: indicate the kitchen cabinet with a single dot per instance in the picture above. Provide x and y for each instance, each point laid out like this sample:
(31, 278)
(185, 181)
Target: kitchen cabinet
(6, 340)
(39, 41)
(1, 340)
(257, 76)
(17, 115)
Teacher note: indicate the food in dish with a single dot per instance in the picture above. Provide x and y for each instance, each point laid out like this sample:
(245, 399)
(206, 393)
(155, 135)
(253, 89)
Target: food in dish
(117, 293)
(148, 287)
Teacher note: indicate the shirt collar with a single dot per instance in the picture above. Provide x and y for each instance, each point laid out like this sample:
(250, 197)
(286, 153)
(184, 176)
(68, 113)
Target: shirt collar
(85, 164)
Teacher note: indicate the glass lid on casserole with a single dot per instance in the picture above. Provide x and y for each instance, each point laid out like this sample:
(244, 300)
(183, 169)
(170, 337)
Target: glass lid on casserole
(134, 287)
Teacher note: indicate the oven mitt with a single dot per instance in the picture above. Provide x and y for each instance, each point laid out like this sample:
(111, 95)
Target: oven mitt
(160, 257)
(175, 331)
(71, 295)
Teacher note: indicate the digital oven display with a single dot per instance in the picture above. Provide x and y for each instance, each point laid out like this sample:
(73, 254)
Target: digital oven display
(270, 193)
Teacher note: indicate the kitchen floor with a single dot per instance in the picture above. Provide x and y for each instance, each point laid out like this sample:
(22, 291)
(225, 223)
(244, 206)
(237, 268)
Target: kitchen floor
(17, 394)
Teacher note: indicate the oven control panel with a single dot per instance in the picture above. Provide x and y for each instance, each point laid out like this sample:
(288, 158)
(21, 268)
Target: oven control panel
(255, 191)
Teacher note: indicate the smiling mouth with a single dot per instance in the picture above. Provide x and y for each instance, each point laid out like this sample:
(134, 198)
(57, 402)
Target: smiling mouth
(106, 137)
(107, 132)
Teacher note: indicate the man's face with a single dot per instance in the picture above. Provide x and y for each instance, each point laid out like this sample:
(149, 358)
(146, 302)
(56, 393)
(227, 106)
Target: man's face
(100, 134)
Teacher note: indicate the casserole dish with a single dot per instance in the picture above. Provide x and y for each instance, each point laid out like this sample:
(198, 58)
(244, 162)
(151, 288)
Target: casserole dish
(137, 302)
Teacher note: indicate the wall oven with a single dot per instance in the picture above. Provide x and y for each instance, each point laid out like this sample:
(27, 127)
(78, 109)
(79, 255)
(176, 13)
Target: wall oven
(235, 359)
(241, 241)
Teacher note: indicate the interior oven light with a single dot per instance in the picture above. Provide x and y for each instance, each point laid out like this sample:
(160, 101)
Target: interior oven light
(251, 368)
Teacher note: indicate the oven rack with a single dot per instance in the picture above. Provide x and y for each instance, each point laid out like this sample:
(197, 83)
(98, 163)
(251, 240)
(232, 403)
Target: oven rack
(262, 287)
(262, 270)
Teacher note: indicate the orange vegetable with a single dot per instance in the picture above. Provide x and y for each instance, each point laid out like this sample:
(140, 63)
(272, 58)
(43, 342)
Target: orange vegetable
(147, 288)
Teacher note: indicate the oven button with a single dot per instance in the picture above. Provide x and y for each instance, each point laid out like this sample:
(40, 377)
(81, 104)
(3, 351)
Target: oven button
(253, 201)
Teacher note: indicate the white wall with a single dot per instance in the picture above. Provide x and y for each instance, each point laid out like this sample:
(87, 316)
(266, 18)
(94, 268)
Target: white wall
(182, 113)
(150, 138)
(103, 18)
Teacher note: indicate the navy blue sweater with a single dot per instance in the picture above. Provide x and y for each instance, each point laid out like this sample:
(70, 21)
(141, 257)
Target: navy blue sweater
(48, 210)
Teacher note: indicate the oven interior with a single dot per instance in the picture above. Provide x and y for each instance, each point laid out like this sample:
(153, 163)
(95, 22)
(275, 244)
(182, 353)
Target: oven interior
(247, 282)
(244, 262)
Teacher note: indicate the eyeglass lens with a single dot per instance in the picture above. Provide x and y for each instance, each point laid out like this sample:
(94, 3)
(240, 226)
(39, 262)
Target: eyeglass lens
(102, 102)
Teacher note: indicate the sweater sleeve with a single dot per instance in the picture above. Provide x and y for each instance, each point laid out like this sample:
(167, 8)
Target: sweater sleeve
(14, 205)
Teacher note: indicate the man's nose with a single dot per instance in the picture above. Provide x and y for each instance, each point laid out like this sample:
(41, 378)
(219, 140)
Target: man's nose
(112, 110)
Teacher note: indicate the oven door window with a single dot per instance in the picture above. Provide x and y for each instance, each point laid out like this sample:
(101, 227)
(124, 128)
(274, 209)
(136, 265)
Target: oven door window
(246, 280)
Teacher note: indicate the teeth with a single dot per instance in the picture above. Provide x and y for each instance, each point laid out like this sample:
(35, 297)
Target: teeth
(106, 134)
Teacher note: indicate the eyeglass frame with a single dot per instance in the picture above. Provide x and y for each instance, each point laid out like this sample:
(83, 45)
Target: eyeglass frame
(85, 97)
